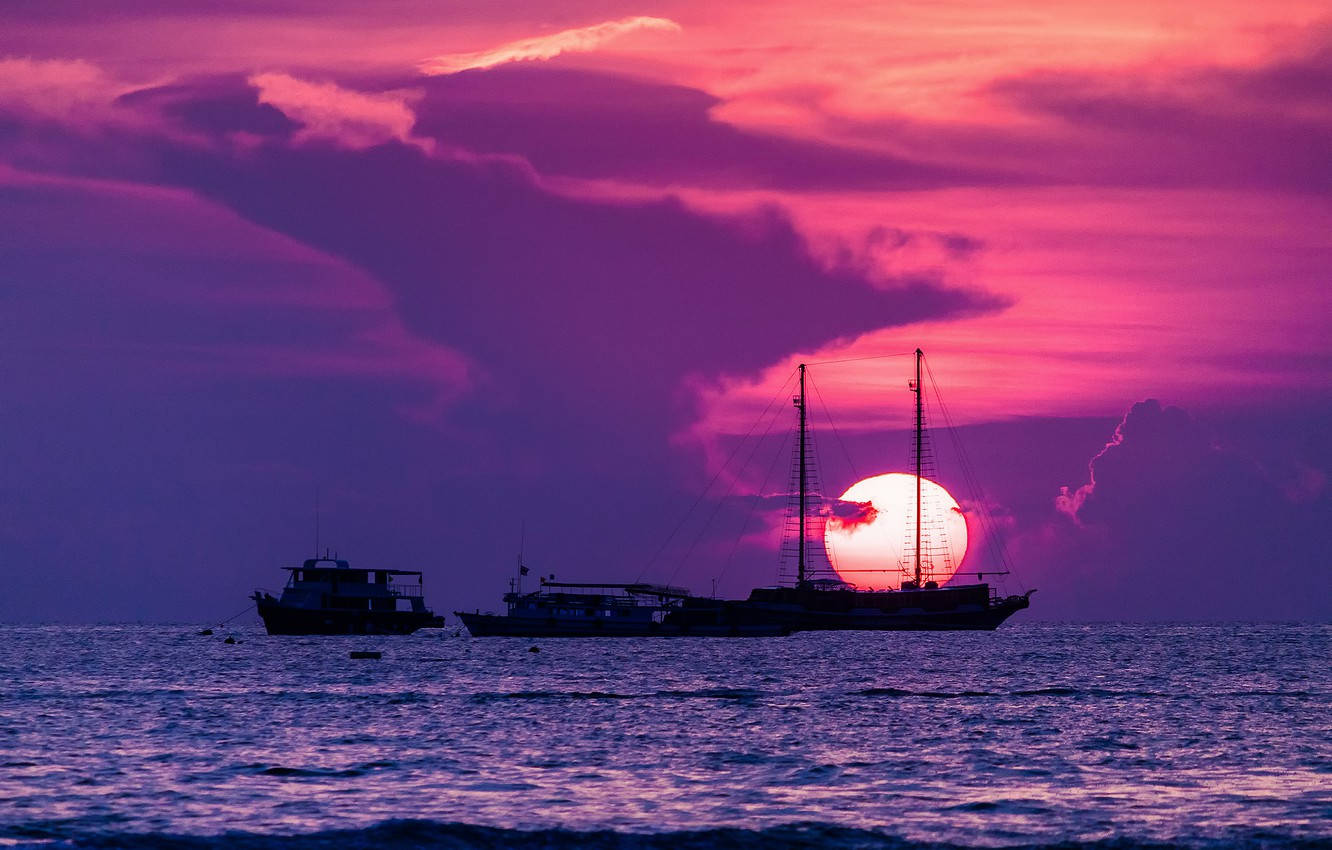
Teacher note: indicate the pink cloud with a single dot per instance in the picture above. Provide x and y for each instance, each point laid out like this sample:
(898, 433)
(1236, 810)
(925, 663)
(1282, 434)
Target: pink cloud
(71, 91)
(353, 119)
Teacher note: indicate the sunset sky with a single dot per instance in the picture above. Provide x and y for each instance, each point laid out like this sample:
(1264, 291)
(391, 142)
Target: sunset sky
(470, 268)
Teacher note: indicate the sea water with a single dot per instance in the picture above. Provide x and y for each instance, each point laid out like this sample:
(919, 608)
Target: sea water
(1195, 735)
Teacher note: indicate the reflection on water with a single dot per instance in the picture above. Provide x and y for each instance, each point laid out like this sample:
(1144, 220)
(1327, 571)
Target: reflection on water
(1030, 734)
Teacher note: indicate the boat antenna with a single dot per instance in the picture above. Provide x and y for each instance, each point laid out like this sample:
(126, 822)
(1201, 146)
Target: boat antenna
(920, 401)
(800, 405)
(522, 546)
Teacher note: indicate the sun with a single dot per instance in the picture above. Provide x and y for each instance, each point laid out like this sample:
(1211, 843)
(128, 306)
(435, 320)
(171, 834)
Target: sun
(874, 546)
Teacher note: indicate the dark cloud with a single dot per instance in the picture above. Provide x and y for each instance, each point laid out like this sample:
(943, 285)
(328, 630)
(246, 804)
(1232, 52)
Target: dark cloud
(1171, 525)
(848, 516)
(1165, 440)
(616, 294)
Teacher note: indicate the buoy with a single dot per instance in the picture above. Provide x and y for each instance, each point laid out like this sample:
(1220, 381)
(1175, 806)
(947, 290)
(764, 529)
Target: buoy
(366, 654)
(534, 649)
(229, 639)
(206, 632)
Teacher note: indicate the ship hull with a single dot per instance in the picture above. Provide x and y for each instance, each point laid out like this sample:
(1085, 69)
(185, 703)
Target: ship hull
(286, 620)
(496, 625)
(773, 613)
(987, 619)
(946, 610)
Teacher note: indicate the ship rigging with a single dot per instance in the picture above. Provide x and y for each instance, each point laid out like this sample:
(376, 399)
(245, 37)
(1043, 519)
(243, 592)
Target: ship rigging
(929, 594)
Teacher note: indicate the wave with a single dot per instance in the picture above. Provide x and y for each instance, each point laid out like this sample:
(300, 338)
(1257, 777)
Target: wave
(707, 693)
(900, 692)
(311, 772)
(546, 695)
(430, 834)
(1097, 693)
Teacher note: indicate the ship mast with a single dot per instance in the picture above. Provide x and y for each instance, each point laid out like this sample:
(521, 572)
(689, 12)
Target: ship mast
(800, 405)
(920, 399)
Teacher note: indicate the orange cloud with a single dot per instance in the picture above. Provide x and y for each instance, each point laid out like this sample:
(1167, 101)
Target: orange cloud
(577, 40)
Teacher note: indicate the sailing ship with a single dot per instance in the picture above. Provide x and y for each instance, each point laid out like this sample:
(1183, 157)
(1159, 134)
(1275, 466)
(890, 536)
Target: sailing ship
(813, 602)
(325, 596)
(918, 604)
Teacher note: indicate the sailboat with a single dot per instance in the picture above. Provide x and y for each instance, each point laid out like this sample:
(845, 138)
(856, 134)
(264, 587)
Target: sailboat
(919, 603)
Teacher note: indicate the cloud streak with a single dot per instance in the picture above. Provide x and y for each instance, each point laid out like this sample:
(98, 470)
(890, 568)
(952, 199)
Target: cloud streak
(578, 40)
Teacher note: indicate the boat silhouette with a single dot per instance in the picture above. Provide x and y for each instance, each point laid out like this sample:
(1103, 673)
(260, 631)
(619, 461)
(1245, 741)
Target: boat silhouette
(325, 596)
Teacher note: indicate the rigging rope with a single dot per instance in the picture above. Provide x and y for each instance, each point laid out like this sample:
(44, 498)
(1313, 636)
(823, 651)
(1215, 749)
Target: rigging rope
(244, 610)
(989, 527)
(689, 513)
(827, 414)
(716, 508)
(858, 359)
(753, 505)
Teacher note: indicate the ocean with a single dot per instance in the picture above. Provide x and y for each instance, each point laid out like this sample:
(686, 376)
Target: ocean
(1105, 735)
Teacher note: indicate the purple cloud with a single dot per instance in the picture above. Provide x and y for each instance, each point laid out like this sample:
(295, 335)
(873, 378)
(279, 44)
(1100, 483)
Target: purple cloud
(1171, 525)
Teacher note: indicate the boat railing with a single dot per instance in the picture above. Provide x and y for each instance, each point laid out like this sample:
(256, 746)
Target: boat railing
(617, 589)
(579, 600)
(409, 590)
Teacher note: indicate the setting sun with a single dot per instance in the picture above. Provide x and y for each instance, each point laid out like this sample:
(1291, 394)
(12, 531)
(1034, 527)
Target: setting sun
(874, 546)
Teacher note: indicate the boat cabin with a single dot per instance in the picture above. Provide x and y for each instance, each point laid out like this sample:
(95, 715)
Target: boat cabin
(618, 603)
(332, 583)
